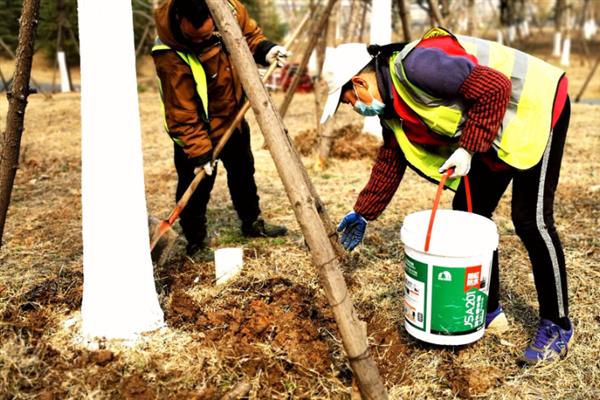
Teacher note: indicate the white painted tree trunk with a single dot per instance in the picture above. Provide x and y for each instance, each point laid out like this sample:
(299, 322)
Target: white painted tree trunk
(119, 295)
(589, 29)
(512, 33)
(557, 40)
(65, 82)
(565, 57)
(499, 36)
(381, 33)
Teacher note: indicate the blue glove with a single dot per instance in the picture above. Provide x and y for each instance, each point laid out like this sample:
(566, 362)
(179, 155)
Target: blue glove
(353, 226)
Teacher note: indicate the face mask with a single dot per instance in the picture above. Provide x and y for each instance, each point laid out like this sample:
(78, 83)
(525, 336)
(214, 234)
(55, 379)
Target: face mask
(368, 110)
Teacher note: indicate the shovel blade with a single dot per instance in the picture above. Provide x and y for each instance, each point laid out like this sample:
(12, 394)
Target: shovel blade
(163, 248)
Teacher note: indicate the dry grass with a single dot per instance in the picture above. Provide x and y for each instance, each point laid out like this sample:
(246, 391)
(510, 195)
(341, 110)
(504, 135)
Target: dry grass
(272, 326)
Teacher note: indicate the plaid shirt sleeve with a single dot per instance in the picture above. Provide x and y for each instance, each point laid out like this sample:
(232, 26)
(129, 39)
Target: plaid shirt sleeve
(488, 92)
(384, 181)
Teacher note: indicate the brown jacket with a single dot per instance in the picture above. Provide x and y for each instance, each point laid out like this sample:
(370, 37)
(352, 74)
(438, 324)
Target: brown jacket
(183, 109)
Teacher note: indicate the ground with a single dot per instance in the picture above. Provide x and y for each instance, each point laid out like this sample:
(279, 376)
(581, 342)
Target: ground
(272, 326)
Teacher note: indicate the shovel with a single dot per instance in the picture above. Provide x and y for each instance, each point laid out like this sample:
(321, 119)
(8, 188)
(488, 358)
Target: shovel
(162, 237)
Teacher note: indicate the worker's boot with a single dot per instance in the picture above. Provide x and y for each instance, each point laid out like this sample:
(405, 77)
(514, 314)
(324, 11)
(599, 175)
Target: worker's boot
(260, 228)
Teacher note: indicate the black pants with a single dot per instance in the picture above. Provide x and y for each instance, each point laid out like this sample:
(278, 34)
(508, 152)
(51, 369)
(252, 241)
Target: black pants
(532, 210)
(238, 160)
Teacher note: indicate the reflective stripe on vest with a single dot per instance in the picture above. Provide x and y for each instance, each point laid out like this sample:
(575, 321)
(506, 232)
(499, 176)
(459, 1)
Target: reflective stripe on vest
(526, 126)
(199, 78)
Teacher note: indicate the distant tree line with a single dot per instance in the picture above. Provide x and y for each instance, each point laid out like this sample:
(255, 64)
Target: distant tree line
(58, 25)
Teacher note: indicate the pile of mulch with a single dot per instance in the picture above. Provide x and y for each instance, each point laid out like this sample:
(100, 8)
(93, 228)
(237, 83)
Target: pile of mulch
(349, 143)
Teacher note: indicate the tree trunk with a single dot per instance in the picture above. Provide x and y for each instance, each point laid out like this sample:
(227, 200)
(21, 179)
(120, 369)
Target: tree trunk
(301, 195)
(349, 24)
(434, 12)
(17, 102)
(363, 21)
(471, 15)
(119, 293)
(318, 82)
(312, 42)
(325, 142)
(405, 18)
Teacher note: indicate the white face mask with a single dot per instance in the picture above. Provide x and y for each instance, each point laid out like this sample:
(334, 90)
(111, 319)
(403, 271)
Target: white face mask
(368, 110)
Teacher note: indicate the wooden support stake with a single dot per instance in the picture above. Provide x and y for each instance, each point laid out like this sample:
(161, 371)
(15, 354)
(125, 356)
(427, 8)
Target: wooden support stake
(312, 42)
(298, 188)
(587, 80)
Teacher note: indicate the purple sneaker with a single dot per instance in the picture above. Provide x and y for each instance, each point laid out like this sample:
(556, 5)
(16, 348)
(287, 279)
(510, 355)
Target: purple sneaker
(550, 342)
(496, 322)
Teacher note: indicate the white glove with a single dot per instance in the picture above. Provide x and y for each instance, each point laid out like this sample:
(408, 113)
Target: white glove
(460, 160)
(278, 54)
(208, 168)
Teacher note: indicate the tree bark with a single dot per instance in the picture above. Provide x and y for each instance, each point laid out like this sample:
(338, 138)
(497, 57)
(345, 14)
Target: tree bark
(17, 102)
(405, 18)
(300, 193)
(312, 42)
(363, 21)
(325, 142)
(434, 12)
(471, 15)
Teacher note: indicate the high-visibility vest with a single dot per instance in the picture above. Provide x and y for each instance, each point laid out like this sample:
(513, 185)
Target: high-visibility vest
(526, 125)
(199, 78)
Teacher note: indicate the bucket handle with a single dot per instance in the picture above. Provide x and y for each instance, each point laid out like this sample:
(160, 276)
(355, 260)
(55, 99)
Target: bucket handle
(436, 202)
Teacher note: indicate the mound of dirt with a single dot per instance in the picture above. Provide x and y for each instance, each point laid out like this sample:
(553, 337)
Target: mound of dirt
(349, 143)
(286, 317)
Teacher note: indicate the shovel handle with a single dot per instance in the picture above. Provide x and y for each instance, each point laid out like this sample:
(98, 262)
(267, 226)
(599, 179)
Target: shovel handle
(436, 203)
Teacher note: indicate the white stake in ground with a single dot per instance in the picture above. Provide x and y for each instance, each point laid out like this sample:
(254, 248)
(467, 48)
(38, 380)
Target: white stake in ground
(381, 33)
(119, 296)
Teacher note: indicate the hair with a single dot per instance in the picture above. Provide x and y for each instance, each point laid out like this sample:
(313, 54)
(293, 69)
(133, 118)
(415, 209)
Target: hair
(367, 69)
(196, 11)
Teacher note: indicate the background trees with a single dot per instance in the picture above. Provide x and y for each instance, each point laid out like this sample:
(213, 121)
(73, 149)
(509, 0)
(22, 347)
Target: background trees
(58, 29)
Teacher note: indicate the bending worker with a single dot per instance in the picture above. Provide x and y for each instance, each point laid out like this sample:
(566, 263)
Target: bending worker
(201, 95)
(493, 112)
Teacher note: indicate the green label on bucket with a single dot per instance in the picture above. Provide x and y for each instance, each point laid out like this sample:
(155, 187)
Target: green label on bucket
(415, 294)
(458, 306)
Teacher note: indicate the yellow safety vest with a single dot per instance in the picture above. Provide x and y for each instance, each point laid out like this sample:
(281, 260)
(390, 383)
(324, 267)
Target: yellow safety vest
(526, 125)
(199, 78)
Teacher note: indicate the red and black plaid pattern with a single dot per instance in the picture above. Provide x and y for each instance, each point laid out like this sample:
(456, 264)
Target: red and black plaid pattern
(385, 178)
(488, 92)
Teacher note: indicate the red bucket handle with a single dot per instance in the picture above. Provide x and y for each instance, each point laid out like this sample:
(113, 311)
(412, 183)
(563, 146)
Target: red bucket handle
(436, 202)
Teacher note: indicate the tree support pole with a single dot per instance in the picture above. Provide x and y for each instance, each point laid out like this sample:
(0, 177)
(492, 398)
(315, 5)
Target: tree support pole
(300, 193)
(17, 102)
(315, 33)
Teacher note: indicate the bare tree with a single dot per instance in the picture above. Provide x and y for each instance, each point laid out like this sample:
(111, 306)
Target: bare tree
(17, 102)
(435, 13)
(403, 6)
(316, 29)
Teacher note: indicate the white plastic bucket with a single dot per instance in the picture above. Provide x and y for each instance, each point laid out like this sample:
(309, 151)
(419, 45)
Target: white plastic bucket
(446, 287)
